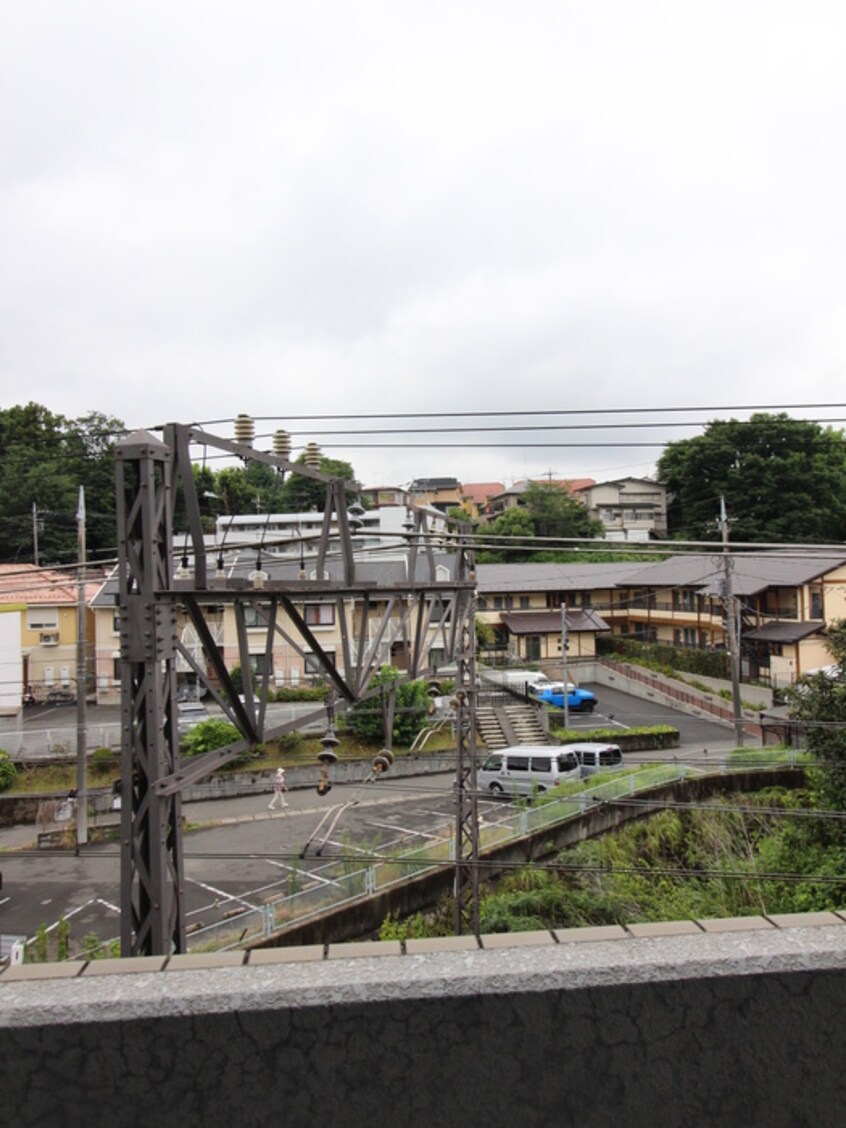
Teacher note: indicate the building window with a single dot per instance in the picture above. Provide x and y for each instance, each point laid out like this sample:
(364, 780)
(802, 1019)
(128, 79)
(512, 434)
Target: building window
(42, 618)
(313, 664)
(497, 603)
(260, 665)
(816, 603)
(253, 616)
(116, 667)
(116, 621)
(482, 603)
(319, 614)
(525, 602)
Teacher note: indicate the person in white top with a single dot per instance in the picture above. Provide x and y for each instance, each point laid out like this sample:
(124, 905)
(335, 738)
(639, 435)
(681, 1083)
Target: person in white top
(279, 789)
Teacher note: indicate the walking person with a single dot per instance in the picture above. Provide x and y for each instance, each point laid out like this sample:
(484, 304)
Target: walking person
(279, 789)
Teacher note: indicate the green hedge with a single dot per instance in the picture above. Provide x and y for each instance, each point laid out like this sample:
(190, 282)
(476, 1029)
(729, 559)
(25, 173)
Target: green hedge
(630, 740)
(709, 663)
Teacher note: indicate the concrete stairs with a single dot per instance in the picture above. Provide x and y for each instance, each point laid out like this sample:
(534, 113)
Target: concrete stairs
(500, 726)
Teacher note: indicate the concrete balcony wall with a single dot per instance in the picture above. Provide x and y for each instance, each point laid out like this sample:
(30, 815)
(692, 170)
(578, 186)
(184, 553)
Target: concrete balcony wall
(688, 1023)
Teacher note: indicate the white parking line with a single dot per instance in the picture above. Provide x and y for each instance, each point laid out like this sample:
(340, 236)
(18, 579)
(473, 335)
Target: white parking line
(219, 893)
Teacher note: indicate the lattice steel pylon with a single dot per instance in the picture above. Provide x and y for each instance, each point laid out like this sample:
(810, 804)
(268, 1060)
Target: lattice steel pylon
(153, 477)
(466, 889)
(152, 910)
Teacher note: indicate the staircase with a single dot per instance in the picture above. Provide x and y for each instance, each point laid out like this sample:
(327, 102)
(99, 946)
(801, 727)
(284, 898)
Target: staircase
(500, 725)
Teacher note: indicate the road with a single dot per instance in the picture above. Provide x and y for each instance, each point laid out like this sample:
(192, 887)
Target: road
(252, 858)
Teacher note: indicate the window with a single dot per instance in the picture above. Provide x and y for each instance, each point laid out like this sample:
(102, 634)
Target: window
(42, 618)
(541, 764)
(116, 621)
(253, 617)
(116, 667)
(313, 664)
(482, 603)
(260, 666)
(524, 602)
(533, 648)
(816, 603)
(518, 763)
(319, 614)
(497, 602)
(567, 762)
(493, 764)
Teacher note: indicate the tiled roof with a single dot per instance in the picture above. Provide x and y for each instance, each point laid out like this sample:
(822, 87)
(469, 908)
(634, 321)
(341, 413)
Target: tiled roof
(782, 631)
(753, 571)
(25, 583)
(552, 577)
(549, 622)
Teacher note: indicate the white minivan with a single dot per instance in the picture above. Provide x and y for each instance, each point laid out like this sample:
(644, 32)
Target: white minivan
(526, 769)
(594, 757)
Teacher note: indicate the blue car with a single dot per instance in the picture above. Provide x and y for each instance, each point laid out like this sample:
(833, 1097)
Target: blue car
(578, 700)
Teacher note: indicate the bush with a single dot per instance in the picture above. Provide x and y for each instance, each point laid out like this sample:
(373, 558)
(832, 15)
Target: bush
(211, 734)
(302, 693)
(103, 760)
(8, 771)
(710, 663)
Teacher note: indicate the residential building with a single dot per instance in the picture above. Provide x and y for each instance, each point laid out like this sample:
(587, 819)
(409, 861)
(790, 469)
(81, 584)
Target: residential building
(442, 494)
(378, 496)
(45, 602)
(632, 509)
(289, 662)
(476, 497)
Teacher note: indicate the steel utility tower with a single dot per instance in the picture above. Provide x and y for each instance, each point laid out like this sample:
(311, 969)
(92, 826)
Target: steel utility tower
(434, 594)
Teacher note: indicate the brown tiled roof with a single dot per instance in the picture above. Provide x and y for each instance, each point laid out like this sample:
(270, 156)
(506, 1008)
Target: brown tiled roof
(549, 622)
(481, 491)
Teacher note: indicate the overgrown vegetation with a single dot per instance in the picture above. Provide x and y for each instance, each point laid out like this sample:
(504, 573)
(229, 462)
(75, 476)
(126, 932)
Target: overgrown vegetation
(677, 865)
(8, 771)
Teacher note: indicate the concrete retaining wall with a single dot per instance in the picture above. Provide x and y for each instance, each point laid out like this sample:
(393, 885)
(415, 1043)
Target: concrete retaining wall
(687, 1023)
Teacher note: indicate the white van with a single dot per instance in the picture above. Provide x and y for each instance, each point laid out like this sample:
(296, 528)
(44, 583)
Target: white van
(595, 757)
(526, 769)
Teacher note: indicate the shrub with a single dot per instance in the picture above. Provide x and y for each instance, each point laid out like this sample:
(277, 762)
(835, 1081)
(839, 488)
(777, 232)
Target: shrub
(103, 760)
(302, 693)
(211, 734)
(8, 771)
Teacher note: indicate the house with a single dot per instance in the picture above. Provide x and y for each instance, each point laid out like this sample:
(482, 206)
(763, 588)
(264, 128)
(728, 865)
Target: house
(633, 509)
(514, 496)
(522, 603)
(442, 494)
(476, 497)
(785, 599)
(378, 496)
(45, 602)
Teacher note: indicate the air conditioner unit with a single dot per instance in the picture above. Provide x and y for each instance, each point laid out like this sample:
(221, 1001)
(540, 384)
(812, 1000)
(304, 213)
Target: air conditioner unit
(49, 638)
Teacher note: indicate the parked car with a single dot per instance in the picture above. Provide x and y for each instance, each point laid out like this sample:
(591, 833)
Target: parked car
(579, 700)
(191, 713)
(526, 768)
(595, 757)
(60, 695)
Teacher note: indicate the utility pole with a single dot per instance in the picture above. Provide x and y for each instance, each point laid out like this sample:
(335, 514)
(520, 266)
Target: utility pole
(35, 534)
(565, 647)
(81, 679)
(731, 624)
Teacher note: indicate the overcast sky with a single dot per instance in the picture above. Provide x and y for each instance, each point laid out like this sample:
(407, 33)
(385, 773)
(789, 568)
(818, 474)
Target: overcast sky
(307, 208)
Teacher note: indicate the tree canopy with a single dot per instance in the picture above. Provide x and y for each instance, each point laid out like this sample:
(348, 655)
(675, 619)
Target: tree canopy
(782, 479)
(547, 511)
(44, 459)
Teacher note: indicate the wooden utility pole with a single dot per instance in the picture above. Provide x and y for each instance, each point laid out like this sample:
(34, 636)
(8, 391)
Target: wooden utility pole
(81, 679)
(731, 626)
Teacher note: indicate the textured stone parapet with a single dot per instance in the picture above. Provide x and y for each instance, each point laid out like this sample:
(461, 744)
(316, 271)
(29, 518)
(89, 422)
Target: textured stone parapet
(708, 1026)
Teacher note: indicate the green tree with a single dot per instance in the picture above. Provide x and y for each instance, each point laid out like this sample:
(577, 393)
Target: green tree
(302, 495)
(556, 513)
(44, 459)
(410, 711)
(516, 524)
(782, 479)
